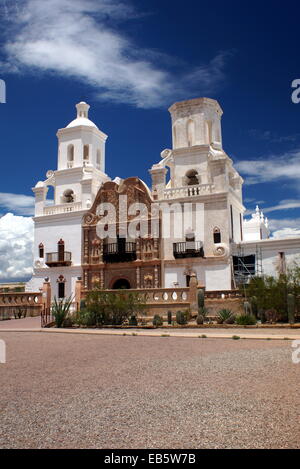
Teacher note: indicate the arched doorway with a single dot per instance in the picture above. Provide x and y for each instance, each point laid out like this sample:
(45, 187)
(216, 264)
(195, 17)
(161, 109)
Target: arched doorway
(121, 284)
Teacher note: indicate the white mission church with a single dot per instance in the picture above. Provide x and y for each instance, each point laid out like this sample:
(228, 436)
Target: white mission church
(222, 248)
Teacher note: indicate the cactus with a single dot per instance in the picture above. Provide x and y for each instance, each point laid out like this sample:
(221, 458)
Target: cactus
(291, 304)
(181, 317)
(200, 319)
(262, 316)
(133, 321)
(169, 317)
(158, 321)
(254, 306)
(201, 300)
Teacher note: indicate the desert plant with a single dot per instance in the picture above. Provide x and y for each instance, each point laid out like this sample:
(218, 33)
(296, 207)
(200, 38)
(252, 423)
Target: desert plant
(60, 310)
(203, 312)
(224, 315)
(157, 320)
(68, 322)
(291, 306)
(133, 321)
(112, 308)
(245, 320)
(181, 318)
(272, 316)
(230, 320)
(200, 319)
(201, 299)
(247, 308)
(254, 306)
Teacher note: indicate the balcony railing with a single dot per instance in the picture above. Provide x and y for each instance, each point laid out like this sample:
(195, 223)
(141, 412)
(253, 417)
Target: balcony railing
(188, 191)
(188, 249)
(119, 252)
(58, 259)
(62, 208)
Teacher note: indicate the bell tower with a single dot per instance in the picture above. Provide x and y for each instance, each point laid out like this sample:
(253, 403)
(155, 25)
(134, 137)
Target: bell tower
(196, 122)
(81, 143)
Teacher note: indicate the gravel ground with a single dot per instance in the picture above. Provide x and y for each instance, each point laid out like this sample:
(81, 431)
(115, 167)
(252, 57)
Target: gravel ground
(83, 391)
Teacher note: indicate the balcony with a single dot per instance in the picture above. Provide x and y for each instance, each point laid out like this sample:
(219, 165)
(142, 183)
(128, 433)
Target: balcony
(119, 252)
(62, 208)
(58, 259)
(188, 191)
(188, 249)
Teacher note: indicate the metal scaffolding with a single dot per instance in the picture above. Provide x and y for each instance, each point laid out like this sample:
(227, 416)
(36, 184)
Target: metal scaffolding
(247, 266)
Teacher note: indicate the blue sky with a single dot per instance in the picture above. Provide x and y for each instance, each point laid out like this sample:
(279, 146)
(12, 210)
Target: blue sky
(131, 60)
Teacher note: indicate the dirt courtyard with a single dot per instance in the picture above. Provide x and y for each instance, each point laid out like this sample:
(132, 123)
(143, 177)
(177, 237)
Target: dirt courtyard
(84, 391)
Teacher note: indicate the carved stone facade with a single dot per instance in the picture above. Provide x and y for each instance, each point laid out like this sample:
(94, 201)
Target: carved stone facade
(111, 252)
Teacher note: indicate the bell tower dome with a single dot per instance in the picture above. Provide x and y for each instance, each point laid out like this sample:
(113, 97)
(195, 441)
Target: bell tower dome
(81, 143)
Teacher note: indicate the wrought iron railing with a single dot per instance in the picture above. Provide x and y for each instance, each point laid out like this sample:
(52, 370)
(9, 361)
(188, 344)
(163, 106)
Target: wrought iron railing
(58, 257)
(188, 249)
(119, 252)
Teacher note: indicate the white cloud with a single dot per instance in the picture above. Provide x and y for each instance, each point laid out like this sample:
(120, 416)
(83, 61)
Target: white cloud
(81, 39)
(283, 205)
(272, 137)
(273, 168)
(286, 233)
(16, 243)
(17, 203)
(285, 227)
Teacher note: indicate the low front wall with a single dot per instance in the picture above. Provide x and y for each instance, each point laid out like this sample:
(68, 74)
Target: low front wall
(162, 300)
(28, 304)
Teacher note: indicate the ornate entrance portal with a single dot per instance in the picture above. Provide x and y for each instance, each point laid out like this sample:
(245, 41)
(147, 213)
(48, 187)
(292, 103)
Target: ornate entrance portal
(121, 284)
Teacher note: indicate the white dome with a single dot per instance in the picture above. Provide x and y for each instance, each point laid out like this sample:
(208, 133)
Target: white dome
(81, 121)
(82, 116)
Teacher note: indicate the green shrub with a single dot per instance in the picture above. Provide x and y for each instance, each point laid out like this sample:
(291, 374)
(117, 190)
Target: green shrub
(245, 320)
(158, 320)
(110, 308)
(236, 337)
(291, 307)
(181, 317)
(254, 306)
(272, 316)
(224, 315)
(68, 322)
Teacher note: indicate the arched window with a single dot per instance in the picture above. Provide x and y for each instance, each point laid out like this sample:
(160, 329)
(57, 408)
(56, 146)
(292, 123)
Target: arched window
(191, 133)
(98, 160)
(68, 197)
(41, 250)
(192, 178)
(86, 152)
(217, 236)
(71, 153)
(61, 282)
